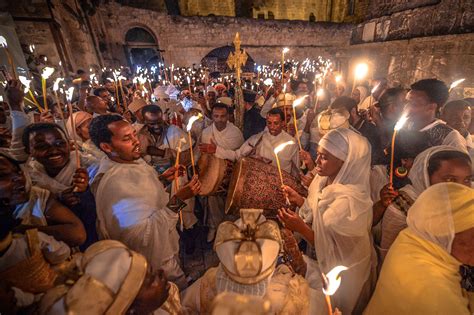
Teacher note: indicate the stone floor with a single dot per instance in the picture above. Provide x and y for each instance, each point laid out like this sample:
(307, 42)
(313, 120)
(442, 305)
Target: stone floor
(195, 265)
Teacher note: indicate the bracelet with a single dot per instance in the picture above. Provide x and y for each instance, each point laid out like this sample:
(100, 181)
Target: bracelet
(175, 204)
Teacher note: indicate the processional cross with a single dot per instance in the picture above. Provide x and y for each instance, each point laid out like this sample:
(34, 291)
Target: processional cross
(235, 61)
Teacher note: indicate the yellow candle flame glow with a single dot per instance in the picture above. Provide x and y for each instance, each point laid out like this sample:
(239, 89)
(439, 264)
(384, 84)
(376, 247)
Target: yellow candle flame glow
(3, 42)
(56, 84)
(191, 121)
(268, 82)
(25, 82)
(47, 72)
(338, 78)
(280, 147)
(456, 83)
(361, 71)
(375, 88)
(285, 50)
(299, 101)
(401, 122)
(320, 93)
(333, 280)
(69, 93)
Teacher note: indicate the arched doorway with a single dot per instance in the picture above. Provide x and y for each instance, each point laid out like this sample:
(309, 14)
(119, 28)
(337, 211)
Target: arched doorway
(216, 60)
(141, 48)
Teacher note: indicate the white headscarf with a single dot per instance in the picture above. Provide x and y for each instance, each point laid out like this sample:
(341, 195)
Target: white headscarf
(342, 216)
(418, 175)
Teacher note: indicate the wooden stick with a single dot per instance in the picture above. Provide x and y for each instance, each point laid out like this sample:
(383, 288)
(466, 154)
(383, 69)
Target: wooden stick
(74, 136)
(328, 302)
(176, 176)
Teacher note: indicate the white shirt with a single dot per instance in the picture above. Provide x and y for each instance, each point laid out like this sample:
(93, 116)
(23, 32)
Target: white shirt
(230, 138)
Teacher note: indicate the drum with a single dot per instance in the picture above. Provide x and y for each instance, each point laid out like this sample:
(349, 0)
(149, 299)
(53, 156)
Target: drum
(256, 185)
(214, 174)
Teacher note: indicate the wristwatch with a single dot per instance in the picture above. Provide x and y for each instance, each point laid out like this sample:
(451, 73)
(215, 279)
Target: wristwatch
(175, 204)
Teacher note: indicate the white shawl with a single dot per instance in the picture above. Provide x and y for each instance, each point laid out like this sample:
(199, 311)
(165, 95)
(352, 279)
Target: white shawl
(131, 207)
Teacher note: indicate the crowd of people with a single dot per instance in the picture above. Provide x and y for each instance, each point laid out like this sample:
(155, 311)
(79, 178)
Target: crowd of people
(95, 196)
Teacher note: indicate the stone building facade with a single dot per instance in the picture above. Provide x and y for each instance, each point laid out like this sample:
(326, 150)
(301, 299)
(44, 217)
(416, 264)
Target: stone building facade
(400, 39)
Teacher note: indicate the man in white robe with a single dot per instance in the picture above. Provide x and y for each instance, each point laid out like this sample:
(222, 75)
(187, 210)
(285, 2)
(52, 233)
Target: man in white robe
(226, 136)
(133, 206)
(262, 145)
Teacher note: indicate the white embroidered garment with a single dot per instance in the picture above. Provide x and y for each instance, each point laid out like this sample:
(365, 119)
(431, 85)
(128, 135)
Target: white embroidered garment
(131, 207)
(342, 218)
(264, 144)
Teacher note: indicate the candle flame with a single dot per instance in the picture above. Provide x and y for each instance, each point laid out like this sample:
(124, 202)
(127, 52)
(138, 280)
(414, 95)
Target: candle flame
(338, 78)
(3, 42)
(47, 72)
(320, 93)
(361, 70)
(191, 121)
(284, 88)
(69, 93)
(268, 82)
(25, 82)
(375, 88)
(401, 122)
(56, 84)
(280, 147)
(299, 101)
(285, 50)
(456, 83)
(333, 281)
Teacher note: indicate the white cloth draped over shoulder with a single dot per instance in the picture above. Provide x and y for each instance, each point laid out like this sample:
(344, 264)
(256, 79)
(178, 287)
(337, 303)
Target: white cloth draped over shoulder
(341, 219)
(230, 138)
(264, 144)
(131, 207)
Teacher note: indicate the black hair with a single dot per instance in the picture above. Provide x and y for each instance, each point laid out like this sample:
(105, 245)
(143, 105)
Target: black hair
(220, 105)
(389, 97)
(80, 72)
(436, 90)
(99, 128)
(344, 102)
(409, 143)
(154, 109)
(456, 105)
(99, 90)
(435, 160)
(37, 127)
(276, 111)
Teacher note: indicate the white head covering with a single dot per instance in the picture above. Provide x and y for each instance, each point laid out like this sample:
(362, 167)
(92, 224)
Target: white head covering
(440, 212)
(418, 175)
(342, 216)
(112, 278)
(160, 92)
(79, 118)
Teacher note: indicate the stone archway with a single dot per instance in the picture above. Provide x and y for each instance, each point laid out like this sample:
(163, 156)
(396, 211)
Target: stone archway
(216, 60)
(141, 48)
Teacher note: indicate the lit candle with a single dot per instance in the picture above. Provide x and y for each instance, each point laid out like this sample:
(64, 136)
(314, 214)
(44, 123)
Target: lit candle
(277, 150)
(26, 83)
(360, 72)
(456, 83)
(397, 127)
(188, 129)
(45, 74)
(55, 90)
(297, 102)
(176, 176)
(331, 282)
(69, 93)
(4, 44)
(319, 94)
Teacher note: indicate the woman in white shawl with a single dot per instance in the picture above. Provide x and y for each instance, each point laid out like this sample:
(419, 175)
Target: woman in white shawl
(339, 202)
(82, 121)
(434, 165)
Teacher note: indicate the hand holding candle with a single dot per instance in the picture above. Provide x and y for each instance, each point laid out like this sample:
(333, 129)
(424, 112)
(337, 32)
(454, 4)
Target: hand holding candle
(397, 127)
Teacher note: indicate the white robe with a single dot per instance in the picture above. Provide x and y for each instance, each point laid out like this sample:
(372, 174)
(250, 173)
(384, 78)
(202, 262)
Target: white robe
(264, 144)
(453, 138)
(131, 207)
(230, 138)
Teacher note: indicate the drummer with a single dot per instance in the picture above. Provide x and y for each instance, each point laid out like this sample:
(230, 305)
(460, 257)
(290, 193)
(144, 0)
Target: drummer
(262, 145)
(219, 138)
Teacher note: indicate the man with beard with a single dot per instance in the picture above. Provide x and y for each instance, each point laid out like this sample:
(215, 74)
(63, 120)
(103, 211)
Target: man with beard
(216, 139)
(96, 105)
(134, 206)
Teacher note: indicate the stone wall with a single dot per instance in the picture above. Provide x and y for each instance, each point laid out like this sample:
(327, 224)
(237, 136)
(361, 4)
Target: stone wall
(186, 40)
(205, 7)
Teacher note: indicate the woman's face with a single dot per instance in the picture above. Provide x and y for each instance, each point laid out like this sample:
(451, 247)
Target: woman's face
(454, 171)
(356, 95)
(83, 130)
(327, 164)
(12, 184)
(153, 293)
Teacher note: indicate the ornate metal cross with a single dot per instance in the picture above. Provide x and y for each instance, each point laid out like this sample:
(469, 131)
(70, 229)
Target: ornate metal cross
(238, 59)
